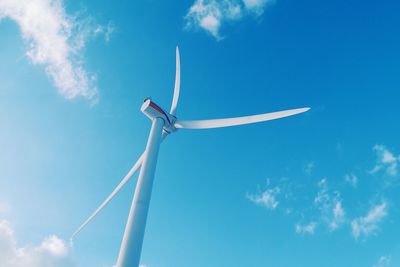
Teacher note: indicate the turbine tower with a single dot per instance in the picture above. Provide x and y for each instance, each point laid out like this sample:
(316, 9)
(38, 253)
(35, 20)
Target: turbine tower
(163, 124)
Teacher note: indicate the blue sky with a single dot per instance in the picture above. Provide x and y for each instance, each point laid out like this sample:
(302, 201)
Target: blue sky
(318, 189)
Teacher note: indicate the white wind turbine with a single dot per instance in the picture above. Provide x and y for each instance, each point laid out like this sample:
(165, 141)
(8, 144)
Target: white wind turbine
(163, 124)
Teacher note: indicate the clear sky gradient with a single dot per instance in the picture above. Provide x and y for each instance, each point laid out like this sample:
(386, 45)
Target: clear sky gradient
(317, 189)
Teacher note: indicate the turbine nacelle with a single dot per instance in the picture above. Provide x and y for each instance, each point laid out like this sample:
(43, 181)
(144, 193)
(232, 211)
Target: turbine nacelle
(153, 111)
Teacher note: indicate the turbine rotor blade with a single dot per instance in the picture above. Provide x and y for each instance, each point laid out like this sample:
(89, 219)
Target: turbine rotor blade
(177, 83)
(218, 123)
(111, 196)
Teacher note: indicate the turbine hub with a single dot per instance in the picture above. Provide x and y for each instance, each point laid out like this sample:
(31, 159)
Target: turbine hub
(152, 111)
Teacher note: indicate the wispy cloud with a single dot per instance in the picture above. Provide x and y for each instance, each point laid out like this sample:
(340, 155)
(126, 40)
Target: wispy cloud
(309, 167)
(351, 179)
(306, 228)
(330, 205)
(367, 225)
(386, 161)
(322, 199)
(338, 216)
(106, 31)
(52, 252)
(256, 6)
(210, 15)
(268, 198)
(383, 261)
(55, 40)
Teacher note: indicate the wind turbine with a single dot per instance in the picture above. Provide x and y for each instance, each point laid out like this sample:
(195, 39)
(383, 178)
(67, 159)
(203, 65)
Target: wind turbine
(163, 124)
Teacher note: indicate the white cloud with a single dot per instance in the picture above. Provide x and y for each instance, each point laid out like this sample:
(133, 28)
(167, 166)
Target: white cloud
(106, 31)
(386, 161)
(383, 261)
(207, 15)
(338, 216)
(367, 225)
(52, 252)
(330, 206)
(210, 15)
(351, 179)
(55, 40)
(256, 6)
(268, 198)
(306, 229)
(322, 199)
